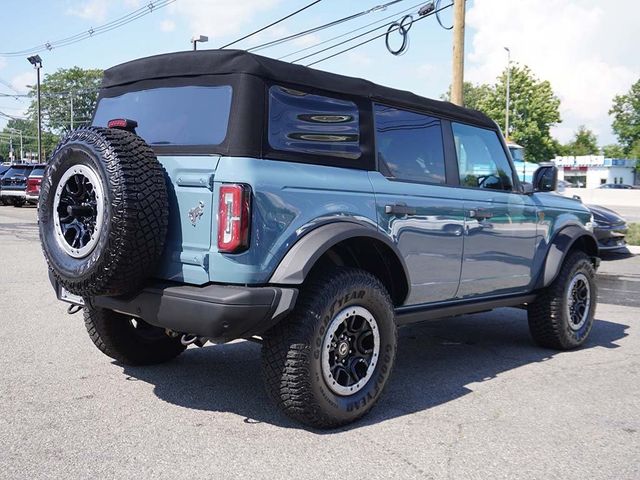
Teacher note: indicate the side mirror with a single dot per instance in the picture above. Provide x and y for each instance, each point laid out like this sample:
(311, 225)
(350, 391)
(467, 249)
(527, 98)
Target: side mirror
(545, 178)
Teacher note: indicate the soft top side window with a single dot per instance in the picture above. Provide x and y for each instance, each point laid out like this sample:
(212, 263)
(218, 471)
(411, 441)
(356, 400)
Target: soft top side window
(313, 124)
(482, 161)
(409, 145)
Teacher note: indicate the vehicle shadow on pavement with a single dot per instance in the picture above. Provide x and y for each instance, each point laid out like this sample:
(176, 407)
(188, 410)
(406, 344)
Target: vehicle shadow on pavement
(436, 363)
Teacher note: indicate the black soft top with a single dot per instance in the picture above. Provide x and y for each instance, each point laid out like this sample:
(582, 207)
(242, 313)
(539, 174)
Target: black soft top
(222, 62)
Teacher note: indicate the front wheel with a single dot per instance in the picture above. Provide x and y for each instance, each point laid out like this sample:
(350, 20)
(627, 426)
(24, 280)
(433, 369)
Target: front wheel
(562, 316)
(327, 364)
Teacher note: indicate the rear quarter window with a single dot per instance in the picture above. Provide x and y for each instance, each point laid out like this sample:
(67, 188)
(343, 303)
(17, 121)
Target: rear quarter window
(187, 115)
(313, 124)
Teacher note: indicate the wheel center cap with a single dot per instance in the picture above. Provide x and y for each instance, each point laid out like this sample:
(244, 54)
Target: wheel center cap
(343, 348)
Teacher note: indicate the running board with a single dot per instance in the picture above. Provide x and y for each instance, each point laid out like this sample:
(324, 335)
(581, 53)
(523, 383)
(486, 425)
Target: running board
(420, 313)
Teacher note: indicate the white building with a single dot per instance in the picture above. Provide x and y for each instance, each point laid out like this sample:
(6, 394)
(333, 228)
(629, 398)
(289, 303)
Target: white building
(591, 171)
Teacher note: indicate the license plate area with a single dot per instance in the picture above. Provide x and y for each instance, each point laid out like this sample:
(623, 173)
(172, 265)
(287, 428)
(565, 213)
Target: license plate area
(69, 297)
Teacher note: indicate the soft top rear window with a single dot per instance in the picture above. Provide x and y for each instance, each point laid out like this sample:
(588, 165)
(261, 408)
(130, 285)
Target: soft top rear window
(184, 115)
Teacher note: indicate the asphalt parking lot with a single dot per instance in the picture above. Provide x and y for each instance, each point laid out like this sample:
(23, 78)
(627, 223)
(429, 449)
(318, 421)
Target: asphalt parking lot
(471, 397)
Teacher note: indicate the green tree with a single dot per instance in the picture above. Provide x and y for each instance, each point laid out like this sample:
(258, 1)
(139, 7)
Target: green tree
(59, 89)
(534, 108)
(29, 130)
(634, 151)
(626, 117)
(613, 151)
(474, 95)
(584, 143)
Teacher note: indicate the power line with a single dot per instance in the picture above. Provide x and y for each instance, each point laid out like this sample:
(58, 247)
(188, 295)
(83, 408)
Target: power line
(346, 41)
(63, 93)
(350, 32)
(432, 12)
(92, 32)
(321, 27)
(270, 25)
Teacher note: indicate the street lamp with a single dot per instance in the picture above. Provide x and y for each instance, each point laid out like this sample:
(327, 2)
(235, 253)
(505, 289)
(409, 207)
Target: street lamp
(198, 38)
(506, 120)
(36, 61)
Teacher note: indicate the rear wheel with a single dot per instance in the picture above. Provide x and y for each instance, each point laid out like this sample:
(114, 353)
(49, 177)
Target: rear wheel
(129, 340)
(327, 364)
(562, 315)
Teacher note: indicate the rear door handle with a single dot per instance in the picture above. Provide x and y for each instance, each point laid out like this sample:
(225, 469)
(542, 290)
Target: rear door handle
(480, 213)
(399, 209)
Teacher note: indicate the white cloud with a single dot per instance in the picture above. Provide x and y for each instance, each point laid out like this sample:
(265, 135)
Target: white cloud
(95, 10)
(19, 82)
(3, 63)
(426, 70)
(167, 25)
(582, 47)
(306, 41)
(217, 18)
(355, 58)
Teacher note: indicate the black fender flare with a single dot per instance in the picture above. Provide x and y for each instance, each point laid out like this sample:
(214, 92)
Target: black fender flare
(303, 255)
(558, 248)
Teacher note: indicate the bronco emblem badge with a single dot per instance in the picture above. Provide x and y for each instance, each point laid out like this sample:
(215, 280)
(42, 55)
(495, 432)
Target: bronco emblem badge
(196, 212)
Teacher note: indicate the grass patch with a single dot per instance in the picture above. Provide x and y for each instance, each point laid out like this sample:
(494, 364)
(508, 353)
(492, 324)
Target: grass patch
(633, 235)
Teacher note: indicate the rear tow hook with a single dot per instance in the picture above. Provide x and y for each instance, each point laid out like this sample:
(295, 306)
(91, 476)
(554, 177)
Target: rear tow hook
(188, 339)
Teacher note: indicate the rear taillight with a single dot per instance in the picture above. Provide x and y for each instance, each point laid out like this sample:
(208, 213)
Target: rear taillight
(33, 185)
(234, 203)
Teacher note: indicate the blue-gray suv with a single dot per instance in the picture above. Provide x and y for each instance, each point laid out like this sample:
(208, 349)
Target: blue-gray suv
(221, 195)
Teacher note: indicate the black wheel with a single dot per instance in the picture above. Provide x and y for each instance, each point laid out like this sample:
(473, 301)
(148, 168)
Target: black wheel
(129, 340)
(18, 203)
(328, 362)
(103, 212)
(562, 315)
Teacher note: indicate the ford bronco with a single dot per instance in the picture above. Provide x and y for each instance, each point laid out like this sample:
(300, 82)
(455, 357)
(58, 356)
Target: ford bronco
(221, 195)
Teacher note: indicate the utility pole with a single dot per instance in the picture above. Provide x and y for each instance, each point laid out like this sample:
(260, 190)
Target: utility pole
(19, 132)
(457, 79)
(71, 96)
(506, 119)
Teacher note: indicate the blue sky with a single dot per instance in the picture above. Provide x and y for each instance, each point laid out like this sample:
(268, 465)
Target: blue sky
(581, 46)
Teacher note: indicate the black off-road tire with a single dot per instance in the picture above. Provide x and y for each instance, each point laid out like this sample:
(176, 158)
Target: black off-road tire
(129, 343)
(549, 322)
(291, 352)
(135, 204)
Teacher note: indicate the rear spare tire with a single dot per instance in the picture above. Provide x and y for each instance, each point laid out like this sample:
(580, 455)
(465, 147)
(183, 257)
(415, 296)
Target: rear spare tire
(103, 212)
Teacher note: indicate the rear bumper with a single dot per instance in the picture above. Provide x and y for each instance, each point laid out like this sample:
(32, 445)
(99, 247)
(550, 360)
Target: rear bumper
(219, 312)
(32, 197)
(12, 193)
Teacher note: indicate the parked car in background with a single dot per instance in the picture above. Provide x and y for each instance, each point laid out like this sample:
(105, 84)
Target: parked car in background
(623, 186)
(14, 184)
(32, 191)
(563, 184)
(608, 227)
(3, 169)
